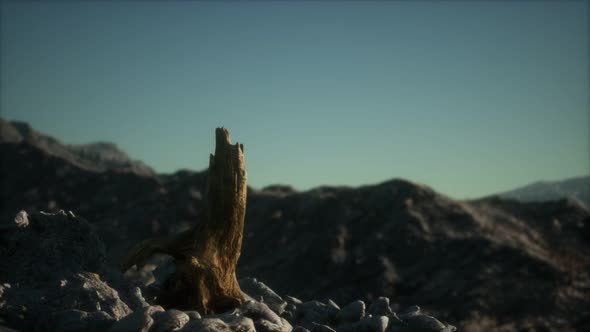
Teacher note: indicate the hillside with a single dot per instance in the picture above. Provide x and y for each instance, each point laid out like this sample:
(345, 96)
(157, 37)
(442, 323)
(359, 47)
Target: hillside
(577, 188)
(485, 264)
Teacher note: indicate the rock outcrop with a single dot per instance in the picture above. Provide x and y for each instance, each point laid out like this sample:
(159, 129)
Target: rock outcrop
(50, 272)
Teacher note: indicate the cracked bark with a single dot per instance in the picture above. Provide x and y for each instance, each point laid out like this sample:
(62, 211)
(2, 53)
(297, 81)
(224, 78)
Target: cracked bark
(206, 255)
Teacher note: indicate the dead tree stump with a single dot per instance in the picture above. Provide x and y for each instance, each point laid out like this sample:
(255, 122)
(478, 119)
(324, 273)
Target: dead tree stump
(207, 255)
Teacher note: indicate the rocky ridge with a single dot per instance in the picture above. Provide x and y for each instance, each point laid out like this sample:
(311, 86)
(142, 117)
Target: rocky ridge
(100, 156)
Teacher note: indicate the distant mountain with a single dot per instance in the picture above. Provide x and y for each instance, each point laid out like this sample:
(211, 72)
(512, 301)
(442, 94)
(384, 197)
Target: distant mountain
(577, 189)
(100, 156)
(487, 264)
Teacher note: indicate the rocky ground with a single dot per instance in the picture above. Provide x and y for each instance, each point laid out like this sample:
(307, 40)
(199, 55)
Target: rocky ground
(54, 278)
(488, 264)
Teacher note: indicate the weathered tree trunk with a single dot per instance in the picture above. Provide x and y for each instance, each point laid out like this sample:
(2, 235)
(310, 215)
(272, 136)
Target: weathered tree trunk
(207, 255)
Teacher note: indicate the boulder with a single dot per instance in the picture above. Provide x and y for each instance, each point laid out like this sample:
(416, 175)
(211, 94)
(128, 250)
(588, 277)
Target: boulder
(300, 329)
(352, 312)
(367, 324)
(315, 312)
(260, 292)
(193, 315)
(41, 248)
(170, 320)
(140, 320)
(333, 304)
(85, 291)
(380, 307)
(257, 310)
(322, 328)
(413, 320)
(265, 320)
(220, 323)
(44, 274)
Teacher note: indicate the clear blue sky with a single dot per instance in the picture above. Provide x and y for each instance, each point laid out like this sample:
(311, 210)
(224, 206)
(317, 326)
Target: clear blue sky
(468, 98)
